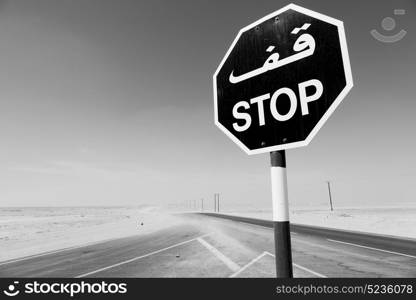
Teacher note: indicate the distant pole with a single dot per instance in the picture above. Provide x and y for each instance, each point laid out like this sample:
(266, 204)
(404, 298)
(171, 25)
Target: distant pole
(202, 204)
(330, 196)
(282, 243)
(218, 199)
(215, 202)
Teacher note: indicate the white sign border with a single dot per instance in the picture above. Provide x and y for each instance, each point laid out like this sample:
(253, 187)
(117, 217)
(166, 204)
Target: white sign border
(334, 105)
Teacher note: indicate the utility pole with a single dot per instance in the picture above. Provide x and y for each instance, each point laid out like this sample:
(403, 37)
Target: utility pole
(330, 196)
(218, 200)
(215, 202)
(202, 204)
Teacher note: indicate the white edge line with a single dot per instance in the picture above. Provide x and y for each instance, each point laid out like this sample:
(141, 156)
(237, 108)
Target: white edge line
(258, 225)
(372, 248)
(139, 257)
(248, 265)
(227, 261)
(309, 270)
(253, 225)
(303, 268)
(13, 260)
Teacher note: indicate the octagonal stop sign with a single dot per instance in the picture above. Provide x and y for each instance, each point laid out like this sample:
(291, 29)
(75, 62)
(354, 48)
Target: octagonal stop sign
(281, 79)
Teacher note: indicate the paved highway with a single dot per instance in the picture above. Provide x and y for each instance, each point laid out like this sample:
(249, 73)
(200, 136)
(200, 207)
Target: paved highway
(212, 245)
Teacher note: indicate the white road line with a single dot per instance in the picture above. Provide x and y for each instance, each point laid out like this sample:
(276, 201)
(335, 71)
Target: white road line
(303, 268)
(262, 226)
(228, 262)
(139, 257)
(34, 256)
(371, 248)
(256, 225)
(309, 270)
(248, 265)
(54, 251)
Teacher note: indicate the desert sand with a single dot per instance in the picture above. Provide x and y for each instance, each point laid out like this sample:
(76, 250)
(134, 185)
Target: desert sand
(394, 221)
(30, 231)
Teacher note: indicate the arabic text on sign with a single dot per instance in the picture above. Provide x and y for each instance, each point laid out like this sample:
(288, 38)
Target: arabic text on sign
(304, 46)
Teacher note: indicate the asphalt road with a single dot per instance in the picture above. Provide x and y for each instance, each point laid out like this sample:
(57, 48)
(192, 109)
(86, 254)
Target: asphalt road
(223, 246)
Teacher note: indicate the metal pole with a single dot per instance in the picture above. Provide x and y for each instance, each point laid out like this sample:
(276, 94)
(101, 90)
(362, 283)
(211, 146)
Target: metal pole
(215, 202)
(283, 248)
(202, 204)
(330, 196)
(218, 199)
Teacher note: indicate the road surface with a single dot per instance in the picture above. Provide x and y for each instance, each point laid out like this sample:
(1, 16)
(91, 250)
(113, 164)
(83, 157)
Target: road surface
(210, 245)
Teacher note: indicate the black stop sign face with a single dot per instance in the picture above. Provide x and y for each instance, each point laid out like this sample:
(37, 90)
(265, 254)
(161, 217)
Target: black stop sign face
(281, 79)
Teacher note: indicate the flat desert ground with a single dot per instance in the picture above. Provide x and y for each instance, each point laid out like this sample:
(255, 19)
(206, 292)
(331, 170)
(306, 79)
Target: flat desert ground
(28, 231)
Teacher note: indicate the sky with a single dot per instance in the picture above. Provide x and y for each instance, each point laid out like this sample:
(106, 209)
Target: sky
(111, 103)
